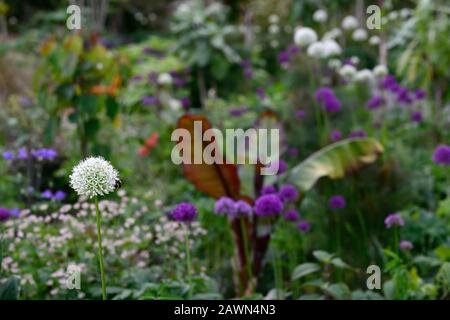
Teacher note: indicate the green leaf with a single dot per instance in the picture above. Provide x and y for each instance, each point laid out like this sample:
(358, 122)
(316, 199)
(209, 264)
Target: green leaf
(9, 290)
(334, 161)
(311, 296)
(339, 263)
(91, 127)
(338, 291)
(89, 103)
(304, 269)
(112, 107)
(323, 256)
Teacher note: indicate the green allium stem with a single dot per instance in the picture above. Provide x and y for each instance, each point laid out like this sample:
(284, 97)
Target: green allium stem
(188, 262)
(100, 248)
(246, 250)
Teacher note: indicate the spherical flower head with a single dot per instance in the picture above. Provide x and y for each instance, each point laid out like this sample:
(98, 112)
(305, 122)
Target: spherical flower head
(374, 40)
(394, 220)
(288, 193)
(268, 190)
(332, 48)
(304, 36)
(304, 226)
(359, 35)
(349, 23)
(291, 215)
(335, 135)
(364, 76)
(59, 195)
(165, 79)
(317, 50)
(405, 245)
(4, 214)
(420, 94)
(359, 133)
(8, 155)
(347, 72)
(337, 202)
(375, 102)
(442, 155)
(300, 114)
(225, 206)
(380, 71)
(320, 16)
(416, 116)
(243, 208)
(47, 194)
(94, 176)
(268, 205)
(184, 212)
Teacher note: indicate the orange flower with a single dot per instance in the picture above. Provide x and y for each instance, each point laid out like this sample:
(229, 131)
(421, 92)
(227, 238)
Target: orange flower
(111, 89)
(152, 141)
(143, 151)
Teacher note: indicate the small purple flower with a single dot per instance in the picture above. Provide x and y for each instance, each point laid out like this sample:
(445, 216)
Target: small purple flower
(15, 212)
(405, 245)
(225, 206)
(260, 92)
(184, 212)
(293, 152)
(8, 155)
(185, 102)
(4, 214)
(337, 202)
(245, 63)
(59, 195)
(332, 104)
(323, 93)
(22, 154)
(150, 100)
(293, 49)
(268, 205)
(394, 220)
(136, 78)
(441, 154)
(375, 102)
(416, 116)
(419, 94)
(283, 57)
(300, 114)
(248, 73)
(359, 133)
(288, 193)
(47, 194)
(304, 226)
(403, 96)
(268, 190)
(25, 101)
(44, 154)
(282, 166)
(179, 82)
(291, 215)
(243, 208)
(335, 135)
(389, 82)
(236, 112)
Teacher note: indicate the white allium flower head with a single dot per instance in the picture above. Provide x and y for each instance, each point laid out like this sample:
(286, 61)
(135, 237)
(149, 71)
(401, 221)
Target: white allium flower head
(93, 176)
(331, 47)
(364, 75)
(320, 16)
(273, 18)
(334, 64)
(347, 72)
(359, 35)
(274, 29)
(304, 36)
(393, 15)
(380, 71)
(316, 50)
(332, 34)
(165, 79)
(405, 12)
(349, 23)
(374, 40)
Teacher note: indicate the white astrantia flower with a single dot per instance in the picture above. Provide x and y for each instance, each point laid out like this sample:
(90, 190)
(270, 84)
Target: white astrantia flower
(359, 35)
(347, 72)
(304, 36)
(94, 176)
(320, 16)
(380, 71)
(364, 75)
(316, 50)
(349, 23)
(374, 40)
(165, 79)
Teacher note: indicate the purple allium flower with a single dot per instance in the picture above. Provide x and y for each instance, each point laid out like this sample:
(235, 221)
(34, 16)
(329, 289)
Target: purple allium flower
(419, 94)
(15, 212)
(44, 154)
(179, 82)
(245, 63)
(184, 212)
(293, 49)
(304, 226)
(268, 205)
(136, 78)
(283, 57)
(236, 112)
(243, 208)
(260, 92)
(150, 100)
(185, 102)
(153, 77)
(323, 93)
(405, 245)
(375, 102)
(47, 194)
(282, 166)
(268, 190)
(332, 104)
(225, 206)
(248, 73)
(335, 135)
(300, 114)
(22, 154)
(337, 202)
(291, 215)
(389, 82)
(359, 133)
(403, 96)
(59, 195)
(25, 101)
(8, 155)
(293, 152)
(4, 214)
(441, 154)
(416, 116)
(394, 220)
(288, 193)
(153, 52)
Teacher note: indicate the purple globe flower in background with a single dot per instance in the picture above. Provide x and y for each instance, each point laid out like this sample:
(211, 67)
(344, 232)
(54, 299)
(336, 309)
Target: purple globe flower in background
(248, 73)
(260, 92)
(245, 63)
(337, 202)
(59, 195)
(15, 212)
(419, 94)
(22, 154)
(293, 49)
(282, 166)
(405, 245)
(150, 100)
(394, 220)
(291, 215)
(403, 96)
(335, 135)
(47, 194)
(300, 114)
(268, 205)
(44, 154)
(304, 226)
(242, 208)
(184, 212)
(375, 102)
(268, 190)
(323, 93)
(332, 104)
(288, 193)
(389, 82)
(8, 155)
(4, 214)
(283, 57)
(225, 206)
(359, 133)
(237, 112)
(185, 102)
(293, 152)
(416, 116)
(441, 155)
